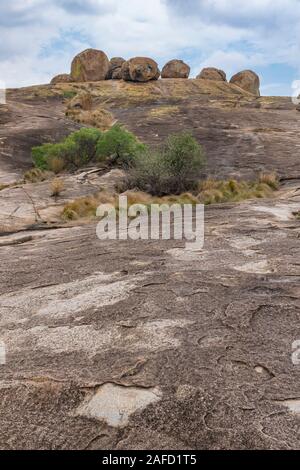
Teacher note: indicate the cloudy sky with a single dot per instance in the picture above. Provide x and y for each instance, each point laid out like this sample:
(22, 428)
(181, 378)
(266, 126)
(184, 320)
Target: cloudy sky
(40, 37)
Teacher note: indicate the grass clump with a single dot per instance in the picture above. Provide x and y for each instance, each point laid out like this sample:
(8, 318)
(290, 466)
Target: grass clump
(211, 192)
(270, 179)
(174, 169)
(86, 207)
(218, 191)
(36, 175)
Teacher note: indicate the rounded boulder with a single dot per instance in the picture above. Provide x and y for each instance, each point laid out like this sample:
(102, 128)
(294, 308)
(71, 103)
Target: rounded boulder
(176, 69)
(62, 78)
(211, 73)
(140, 69)
(248, 81)
(90, 65)
(115, 68)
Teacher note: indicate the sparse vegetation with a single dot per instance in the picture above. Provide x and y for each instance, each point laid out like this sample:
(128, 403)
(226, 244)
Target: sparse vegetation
(297, 215)
(162, 111)
(269, 179)
(174, 169)
(69, 94)
(85, 207)
(77, 150)
(218, 191)
(100, 118)
(57, 187)
(120, 146)
(36, 175)
(209, 192)
(88, 145)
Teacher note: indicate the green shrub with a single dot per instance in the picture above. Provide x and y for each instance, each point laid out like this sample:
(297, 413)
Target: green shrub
(119, 145)
(149, 173)
(82, 146)
(173, 170)
(69, 94)
(77, 150)
(40, 155)
(184, 157)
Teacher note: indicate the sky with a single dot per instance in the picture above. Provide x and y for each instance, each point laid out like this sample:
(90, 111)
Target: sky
(39, 38)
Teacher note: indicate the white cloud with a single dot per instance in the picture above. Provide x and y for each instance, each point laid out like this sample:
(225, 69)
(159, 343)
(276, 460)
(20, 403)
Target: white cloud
(41, 36)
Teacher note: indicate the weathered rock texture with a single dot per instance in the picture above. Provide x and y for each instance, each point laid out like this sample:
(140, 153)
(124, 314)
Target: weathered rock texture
(143, 344)
(241, 135)
(176, 69)
(194, 349)
(248, 81)
(115, 68)
(63, 78)
(211, 73)
(140, 69)
(90, 65)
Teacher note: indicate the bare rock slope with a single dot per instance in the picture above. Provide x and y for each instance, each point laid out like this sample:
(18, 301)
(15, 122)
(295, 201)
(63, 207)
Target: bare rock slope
(125, 345)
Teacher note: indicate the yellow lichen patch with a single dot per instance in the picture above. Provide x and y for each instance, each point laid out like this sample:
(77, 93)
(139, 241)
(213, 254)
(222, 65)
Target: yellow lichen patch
(163, 111)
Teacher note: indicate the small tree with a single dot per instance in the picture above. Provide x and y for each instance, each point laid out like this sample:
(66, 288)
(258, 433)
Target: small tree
(184, 159)
(173, 170)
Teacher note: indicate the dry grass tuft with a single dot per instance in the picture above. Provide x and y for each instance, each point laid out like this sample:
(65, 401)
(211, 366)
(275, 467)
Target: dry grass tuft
(100, 118)
(218, 191)
(57, 187)
(86, 207)
(210, 192)
(57, 165)
(36, 175)
(163, 111)
(269, 179)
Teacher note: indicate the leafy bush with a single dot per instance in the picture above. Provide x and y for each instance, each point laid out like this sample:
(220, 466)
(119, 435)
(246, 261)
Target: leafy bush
(77, 150)
(119, 145)
(173, 170)
(149, 173)
(81, 146)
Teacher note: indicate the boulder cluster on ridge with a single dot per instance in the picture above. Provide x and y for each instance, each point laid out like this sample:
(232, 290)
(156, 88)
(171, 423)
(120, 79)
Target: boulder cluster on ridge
(93, 65)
